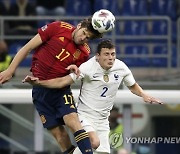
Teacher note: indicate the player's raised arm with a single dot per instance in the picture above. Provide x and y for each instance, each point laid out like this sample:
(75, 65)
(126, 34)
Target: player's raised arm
(137, 90)
(20, 56)
(53, 83)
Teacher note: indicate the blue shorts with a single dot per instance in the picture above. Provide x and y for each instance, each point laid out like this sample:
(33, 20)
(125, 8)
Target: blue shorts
(53, 104)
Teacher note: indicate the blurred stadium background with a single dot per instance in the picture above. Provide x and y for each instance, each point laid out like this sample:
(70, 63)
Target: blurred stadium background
(147, 40)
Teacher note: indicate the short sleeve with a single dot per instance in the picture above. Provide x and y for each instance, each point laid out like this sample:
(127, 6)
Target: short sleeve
(128, 76)
(129, 80)
(47, 31)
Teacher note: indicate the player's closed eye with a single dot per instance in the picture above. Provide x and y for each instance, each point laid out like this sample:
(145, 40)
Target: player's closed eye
(87, 37)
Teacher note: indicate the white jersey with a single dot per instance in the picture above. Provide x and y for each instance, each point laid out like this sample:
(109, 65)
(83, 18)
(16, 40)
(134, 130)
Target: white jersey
(99, 86)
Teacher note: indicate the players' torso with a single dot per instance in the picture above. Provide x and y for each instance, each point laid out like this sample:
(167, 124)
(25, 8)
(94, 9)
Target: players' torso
(57, 51)
(100, 87)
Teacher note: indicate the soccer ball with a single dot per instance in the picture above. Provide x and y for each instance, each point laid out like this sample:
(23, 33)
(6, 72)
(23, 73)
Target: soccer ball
(103, 21)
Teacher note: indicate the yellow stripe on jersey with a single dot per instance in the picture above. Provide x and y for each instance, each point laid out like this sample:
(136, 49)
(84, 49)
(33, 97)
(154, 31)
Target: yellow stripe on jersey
(66, 25)
(87, 47)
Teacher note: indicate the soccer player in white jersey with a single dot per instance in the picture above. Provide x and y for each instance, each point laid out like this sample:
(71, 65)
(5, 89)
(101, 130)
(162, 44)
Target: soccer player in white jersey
(101, 77)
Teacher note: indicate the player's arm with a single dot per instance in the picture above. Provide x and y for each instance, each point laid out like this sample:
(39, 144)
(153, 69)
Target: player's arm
(24, 51)
(20, 56)
(52, 83)
(57, 82)
(137, 90)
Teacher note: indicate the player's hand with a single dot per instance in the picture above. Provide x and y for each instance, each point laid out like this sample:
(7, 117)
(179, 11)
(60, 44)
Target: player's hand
(5, 76)
(152, 100)
(74, 69)
(31, 80)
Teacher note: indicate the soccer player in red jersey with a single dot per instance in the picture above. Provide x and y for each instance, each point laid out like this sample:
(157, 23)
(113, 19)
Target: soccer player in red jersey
(57, 45)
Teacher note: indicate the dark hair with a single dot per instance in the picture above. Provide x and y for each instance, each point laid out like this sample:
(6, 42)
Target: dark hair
(86, 23)
(105, 44)
(115, 109)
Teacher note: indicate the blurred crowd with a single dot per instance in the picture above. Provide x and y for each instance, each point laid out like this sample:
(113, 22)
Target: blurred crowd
(81, 8)
(28, 8)
(25, 8)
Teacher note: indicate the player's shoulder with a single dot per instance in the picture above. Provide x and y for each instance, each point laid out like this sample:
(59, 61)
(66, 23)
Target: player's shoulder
(120, 64)
(54, 23)
(89, 62)
(61, 25)
(85, 48)
(66, 25)
(89, 65)
(121, 67)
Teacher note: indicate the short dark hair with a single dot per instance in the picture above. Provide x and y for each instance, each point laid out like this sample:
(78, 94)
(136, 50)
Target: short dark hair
(86, 23)
(115, 109)
(105, 44)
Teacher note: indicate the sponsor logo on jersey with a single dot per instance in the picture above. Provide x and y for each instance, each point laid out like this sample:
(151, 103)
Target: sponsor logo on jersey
(106, 78)
(72, 107)
(95, 76)
(116, 76)
(61, 38)
(43, 119)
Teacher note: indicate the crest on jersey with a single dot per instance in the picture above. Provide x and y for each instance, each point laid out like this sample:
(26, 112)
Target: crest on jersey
(43, 119)
(116, 76)
(77, 54)
(106, 78)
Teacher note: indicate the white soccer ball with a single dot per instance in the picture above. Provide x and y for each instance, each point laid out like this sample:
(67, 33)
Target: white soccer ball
(103, 21)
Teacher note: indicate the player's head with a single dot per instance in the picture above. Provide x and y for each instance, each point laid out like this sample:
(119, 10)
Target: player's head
(106, 54)
(113, 115)
(85, 32)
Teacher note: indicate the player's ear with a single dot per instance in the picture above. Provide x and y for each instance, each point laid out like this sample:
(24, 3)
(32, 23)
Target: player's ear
(79, 26)
(97, 56)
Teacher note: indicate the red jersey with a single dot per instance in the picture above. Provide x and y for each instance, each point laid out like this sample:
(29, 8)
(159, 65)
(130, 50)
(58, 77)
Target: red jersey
(57, 51)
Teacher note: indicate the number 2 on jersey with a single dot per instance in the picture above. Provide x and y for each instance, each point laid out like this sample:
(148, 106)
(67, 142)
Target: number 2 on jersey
(105, 89)
(61, 56)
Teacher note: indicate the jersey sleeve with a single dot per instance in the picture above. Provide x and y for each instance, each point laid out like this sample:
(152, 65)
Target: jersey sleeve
(82, 69)
(75, 78)
(129, 78)
(47, 31)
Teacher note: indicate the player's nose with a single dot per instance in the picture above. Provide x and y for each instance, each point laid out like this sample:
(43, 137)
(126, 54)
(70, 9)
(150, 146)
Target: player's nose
(110, 56)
